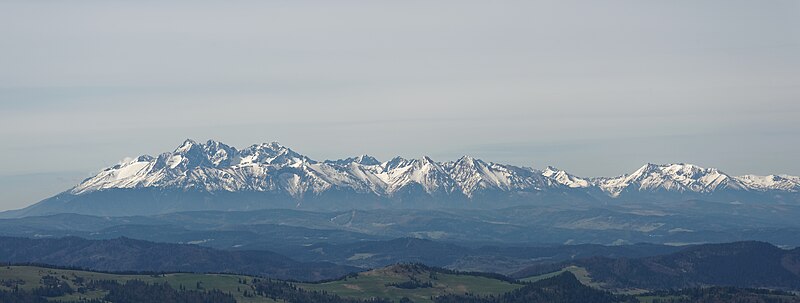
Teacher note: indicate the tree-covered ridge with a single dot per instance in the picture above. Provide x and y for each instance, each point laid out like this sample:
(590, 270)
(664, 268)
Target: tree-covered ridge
(739, 264)
(132, 291)
(125, 254)
(720, 295)
(561, 288)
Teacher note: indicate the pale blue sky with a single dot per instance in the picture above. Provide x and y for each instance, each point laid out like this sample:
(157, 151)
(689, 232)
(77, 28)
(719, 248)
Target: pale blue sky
(594, 87)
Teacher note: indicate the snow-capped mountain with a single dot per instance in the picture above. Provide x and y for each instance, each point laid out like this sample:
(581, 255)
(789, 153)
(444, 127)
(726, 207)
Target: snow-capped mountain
(771, 182)
(473, 175)
(214, 166)
(671, 178)
(565, 178)
(212, 175)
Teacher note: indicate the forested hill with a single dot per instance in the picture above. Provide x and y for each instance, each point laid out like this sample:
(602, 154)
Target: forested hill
(125, 254)
(561, 288)
(740, 264)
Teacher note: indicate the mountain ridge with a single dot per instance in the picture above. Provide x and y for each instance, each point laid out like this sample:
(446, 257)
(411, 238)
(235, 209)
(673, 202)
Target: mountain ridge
(197, 162)
(739, 264)
(271, 175)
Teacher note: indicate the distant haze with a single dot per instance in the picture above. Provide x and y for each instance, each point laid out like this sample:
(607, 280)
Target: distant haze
(593, 87)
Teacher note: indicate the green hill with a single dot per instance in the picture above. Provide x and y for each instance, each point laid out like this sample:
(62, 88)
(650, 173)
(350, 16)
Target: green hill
(29, 278)
(416, 282)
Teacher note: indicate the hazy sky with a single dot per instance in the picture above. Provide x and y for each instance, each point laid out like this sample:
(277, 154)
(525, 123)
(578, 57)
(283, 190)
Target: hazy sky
(594, 87)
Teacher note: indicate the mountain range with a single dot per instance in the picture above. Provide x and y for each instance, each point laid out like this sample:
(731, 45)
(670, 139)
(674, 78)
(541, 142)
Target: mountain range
(216, 176)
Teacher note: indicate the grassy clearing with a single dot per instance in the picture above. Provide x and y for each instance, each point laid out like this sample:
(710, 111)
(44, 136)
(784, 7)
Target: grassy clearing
(583, 276)
(375, 283)
(579, 273)
(650, 299)
(543, 276)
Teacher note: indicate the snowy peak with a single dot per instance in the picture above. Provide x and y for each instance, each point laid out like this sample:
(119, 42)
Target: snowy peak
(188, 155)
(467, 162)
(185, 146)
(363, 160)
(271, 153)
(472, 175)
(395, 163)
(191, 154)
(564, 178)
(679, 177)
(367, 160)
(399, 173)
(771, 182)
(219, 154)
